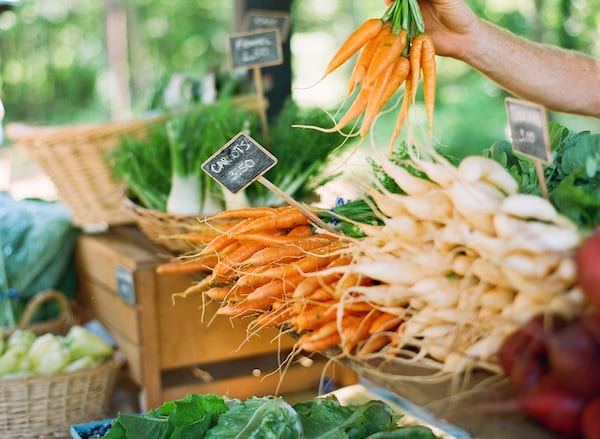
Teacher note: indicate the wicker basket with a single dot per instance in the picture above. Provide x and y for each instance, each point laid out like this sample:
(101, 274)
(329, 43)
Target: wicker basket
(73, 157)
(164, 229)
(58, 325)
(46, 406)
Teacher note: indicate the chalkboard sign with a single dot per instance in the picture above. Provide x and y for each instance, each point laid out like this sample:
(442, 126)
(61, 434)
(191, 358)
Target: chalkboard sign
(237, 164)
(256, 19)
(529, 129)
(255, 49)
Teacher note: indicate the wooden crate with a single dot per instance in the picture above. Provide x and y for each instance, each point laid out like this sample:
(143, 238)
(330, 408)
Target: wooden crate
(173, 348)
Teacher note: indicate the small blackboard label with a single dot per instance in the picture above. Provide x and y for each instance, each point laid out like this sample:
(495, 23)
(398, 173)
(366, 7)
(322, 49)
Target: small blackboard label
(240, 162)
(264, 19)
(529, 129)
(255, 49)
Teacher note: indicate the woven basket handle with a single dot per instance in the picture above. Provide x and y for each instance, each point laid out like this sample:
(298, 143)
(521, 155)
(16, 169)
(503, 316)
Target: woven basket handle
(39, 299)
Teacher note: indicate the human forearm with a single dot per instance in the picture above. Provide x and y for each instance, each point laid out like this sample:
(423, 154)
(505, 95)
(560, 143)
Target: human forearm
(561, 80)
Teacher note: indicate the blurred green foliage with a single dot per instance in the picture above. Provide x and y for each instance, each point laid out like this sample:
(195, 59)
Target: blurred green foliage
(54, 63)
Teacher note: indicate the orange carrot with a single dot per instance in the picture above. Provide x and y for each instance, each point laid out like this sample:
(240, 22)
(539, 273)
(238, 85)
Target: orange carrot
(357, 39)
(323, 338)
(429, 78)
(414, 55)
(284, 219)
(199, 264)
(246, 307)
(277, 288)
(277, 317)
(403, 113)
(288, 251)
(388, 52)
(383, 89)
(301, 231)
(385, 322)
(271, 238)
(227, 265)
(315, 344)
(244, 212)
(196, 288)
(311, 262)
(373, 344)
(225, 238)
(219, 293)
(355, 328)
(314, 316)
(307, 286)
(322, 293)
(366, 56)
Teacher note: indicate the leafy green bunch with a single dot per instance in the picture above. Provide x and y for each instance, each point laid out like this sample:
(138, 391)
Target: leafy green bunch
(209, 416)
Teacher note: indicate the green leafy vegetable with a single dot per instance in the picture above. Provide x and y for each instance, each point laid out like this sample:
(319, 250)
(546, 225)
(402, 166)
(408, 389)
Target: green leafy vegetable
(189, 417)
(267, 417)
(177, 148)
(326, 418)
(258, 418)
(573, 177)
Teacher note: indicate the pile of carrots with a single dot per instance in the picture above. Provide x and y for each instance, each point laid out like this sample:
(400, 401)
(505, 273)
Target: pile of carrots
(394, 50)
(267, 265)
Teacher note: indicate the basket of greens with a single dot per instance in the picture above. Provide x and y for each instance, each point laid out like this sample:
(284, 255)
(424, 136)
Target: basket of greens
(168, 192)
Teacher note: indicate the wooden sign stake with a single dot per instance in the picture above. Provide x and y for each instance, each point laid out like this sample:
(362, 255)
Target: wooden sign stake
(541, 178)
(301, 207)
(260, 96)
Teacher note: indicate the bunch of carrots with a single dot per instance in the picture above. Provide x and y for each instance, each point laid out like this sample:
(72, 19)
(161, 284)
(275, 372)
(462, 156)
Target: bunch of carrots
(394, 50)
(267, 265)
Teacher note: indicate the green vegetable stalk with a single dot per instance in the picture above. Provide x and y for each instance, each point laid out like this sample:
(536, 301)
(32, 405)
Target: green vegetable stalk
(187, 195)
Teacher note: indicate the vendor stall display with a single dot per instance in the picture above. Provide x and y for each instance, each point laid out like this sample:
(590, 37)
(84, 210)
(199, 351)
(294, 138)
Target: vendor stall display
(462, 292)
(455, 258)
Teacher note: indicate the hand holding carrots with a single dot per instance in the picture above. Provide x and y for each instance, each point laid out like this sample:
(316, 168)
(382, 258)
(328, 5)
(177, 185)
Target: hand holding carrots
(394, 50)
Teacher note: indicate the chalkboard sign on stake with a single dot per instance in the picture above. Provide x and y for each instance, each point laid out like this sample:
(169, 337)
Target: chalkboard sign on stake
(528, 126)
(265, 19)
(242, 161)
(237, 164)
(259, 48)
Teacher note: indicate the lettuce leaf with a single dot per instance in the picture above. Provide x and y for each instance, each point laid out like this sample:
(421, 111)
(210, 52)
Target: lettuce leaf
(258, 418)
(187, 418)
(327, 418)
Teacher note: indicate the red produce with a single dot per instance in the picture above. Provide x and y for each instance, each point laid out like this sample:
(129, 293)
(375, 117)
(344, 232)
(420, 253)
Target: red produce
(587, 260)
(524, 354)
(574, 360)
(554, 407)
(590, 419)
(591, 323)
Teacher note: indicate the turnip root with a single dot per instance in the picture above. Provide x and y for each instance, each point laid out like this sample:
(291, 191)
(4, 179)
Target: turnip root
(477, 168)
